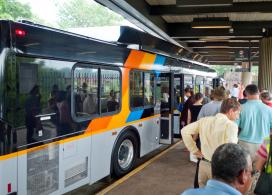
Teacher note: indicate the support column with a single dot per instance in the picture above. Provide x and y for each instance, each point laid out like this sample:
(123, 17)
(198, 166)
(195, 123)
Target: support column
(265, 65)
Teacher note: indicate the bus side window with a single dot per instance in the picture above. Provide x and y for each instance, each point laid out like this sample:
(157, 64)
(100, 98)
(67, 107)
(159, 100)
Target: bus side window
(85, 90)
(110, 88)
(89, 92)
(136, 89)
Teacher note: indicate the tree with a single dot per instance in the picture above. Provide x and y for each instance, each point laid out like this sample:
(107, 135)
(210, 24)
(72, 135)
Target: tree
(13, 10)
(221, 69)
(85, 13)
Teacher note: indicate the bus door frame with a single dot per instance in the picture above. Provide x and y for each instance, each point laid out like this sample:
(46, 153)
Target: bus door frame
(166, 137)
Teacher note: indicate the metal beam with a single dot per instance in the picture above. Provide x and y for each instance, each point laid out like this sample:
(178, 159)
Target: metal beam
(223, 44)
(240, 29)
(241, 7)
(200, 3)
(199, 50)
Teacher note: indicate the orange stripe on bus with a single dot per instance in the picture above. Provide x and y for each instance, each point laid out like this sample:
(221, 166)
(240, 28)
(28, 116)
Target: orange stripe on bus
(134, 59)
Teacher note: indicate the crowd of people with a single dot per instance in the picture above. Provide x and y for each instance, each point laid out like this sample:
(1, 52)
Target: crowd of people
(230, 138)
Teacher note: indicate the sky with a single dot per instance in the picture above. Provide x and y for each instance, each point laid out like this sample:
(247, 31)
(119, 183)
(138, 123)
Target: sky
(45, 9)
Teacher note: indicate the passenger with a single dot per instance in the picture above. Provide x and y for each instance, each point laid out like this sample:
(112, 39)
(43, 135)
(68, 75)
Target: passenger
(112, 104)
(213, 131)
(255, 121)
(241, 91)
(111, 95)
(193, 112)
(234, 92)
(214, 106)
(261, 163)
(244, 100)
(231, 172)
(90, 104)
(165, 95)
(266, 98)
(206, 98)
(184, 113)
(54, 91)
(83, 91)
(194, 109)
(187, 93)
(32, 108)
(65, 121)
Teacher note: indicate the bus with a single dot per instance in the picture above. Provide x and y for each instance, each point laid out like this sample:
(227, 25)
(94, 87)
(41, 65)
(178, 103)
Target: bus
(74, 110)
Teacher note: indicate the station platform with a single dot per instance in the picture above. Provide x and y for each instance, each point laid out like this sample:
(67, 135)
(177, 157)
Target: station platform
(169, 172)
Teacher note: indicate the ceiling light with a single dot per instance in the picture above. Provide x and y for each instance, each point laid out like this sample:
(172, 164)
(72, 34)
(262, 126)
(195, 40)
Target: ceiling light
(216, 47)
(214, 40)
(203, 3)
(207, 23)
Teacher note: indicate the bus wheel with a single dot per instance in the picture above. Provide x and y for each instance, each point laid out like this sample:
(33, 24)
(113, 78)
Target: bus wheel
(125, 153)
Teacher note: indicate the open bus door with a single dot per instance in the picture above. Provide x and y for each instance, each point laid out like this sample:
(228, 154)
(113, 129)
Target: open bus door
(166, 94)
(178, 100)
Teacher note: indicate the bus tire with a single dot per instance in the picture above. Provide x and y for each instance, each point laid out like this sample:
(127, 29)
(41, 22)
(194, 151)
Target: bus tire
(125, 153)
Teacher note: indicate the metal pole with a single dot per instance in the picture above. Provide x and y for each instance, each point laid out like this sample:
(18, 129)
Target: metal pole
(249, 57)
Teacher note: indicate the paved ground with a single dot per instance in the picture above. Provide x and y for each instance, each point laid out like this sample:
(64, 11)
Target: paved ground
(170, 174)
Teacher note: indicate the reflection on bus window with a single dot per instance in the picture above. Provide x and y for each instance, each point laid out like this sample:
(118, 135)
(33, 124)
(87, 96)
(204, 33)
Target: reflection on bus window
(85, 90)
(43, 111)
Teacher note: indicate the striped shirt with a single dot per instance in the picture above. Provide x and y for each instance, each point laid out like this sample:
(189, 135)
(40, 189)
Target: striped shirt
(262, 152)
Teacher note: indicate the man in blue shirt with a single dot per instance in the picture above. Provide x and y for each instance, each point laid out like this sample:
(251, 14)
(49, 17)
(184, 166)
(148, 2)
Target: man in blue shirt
(231, 171)
(255, 121)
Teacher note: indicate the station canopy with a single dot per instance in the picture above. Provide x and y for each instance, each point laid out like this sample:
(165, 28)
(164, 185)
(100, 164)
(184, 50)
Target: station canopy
(216, 32)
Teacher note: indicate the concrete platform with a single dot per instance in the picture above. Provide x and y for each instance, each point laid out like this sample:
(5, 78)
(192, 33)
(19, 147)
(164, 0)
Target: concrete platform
(171, 173)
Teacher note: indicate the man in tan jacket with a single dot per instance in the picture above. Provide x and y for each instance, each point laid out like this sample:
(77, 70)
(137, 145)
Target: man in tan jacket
(213, 132)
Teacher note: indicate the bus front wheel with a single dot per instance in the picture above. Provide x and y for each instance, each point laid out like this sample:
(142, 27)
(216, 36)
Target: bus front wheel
(125, 153)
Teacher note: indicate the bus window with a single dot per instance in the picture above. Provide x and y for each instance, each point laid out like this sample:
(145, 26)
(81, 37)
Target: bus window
(85, 91)
(149, 83)
(136, 89)
(42, 109)
(93, 98)
(110, 90)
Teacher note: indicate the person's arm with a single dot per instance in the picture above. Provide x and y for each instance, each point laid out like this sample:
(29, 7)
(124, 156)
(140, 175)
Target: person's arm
(187, 132)
(260, 162)
(189, 117)
(262, 156)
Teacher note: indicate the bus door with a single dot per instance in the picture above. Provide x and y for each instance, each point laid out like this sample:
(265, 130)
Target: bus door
(166, 96)
(178, 101)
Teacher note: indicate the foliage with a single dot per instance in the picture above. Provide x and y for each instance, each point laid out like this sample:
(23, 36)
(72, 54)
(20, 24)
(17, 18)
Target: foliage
(220, 69)
(85, 13)
(14, 10)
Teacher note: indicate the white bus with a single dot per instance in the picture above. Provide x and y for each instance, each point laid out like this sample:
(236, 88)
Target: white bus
(74, 110)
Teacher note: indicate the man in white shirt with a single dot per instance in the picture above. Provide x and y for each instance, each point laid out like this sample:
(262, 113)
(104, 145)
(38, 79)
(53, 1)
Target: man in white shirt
(234, 92)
